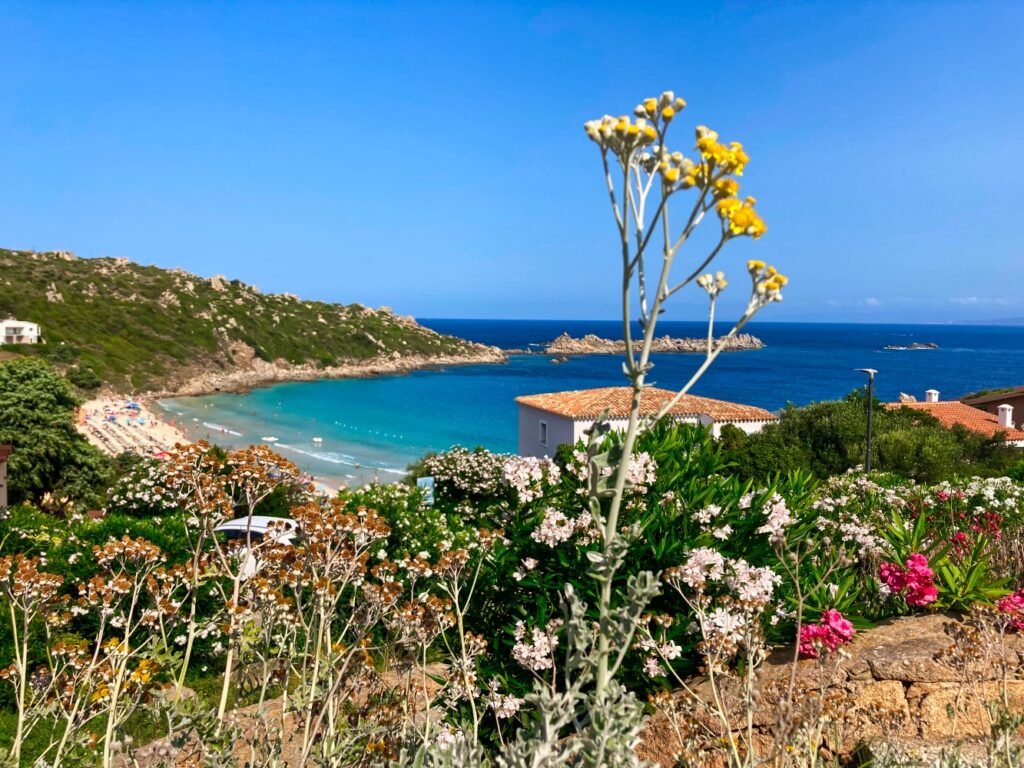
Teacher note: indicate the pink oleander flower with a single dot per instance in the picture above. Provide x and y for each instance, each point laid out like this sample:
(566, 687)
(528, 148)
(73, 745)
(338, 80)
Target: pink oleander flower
(921, 595)
(893, 576)
(916, 581)
(839, 625)
(960, 544)
(779, 518)
(831, 631)
(812, 637)
(1013, 607)
(989, 523)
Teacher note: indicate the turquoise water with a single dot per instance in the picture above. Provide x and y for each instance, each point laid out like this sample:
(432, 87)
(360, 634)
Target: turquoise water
(373, 428)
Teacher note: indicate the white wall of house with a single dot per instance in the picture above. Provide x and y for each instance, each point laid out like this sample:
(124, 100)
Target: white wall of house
(18, 332)
(540, 432)
(580, 427)
(750, 427)
(563, 430)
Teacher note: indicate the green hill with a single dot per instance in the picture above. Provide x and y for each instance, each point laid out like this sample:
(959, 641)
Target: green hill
(139, 328)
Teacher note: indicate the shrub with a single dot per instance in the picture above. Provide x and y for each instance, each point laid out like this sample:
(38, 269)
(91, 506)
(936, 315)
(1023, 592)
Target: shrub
(142, 492)
(829, 438)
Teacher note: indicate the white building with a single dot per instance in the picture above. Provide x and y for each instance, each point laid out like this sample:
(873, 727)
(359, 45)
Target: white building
(18, 332)
(550, 420)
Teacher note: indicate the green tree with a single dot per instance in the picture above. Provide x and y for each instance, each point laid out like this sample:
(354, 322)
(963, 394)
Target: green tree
(37, 417)
(829, 438)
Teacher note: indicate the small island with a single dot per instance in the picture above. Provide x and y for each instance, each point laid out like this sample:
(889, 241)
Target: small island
(915, 345)
(595, 345)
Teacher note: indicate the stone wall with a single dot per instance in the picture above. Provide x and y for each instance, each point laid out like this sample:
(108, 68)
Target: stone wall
(914, 681)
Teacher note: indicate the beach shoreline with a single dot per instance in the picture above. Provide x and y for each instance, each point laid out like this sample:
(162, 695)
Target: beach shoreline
(253, 372)
(117, 425)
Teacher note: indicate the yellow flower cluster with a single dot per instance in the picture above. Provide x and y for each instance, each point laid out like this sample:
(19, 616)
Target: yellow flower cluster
(665, 107)
(143, 673)
(725, 187)
(739, 217)
(729, 159)
(713, 284)
(768, 281)
(620, 134)
(675, 169)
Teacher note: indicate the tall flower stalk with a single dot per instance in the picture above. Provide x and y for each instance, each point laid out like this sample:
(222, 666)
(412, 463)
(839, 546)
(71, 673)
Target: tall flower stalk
(642, 173)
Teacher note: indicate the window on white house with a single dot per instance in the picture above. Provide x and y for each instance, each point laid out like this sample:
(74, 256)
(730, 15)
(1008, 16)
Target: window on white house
(543, 433)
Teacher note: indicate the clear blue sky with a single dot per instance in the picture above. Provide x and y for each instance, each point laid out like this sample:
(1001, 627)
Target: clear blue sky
(430, 155)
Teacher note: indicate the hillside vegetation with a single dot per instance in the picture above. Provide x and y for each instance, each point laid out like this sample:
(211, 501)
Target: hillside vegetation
(137, 327)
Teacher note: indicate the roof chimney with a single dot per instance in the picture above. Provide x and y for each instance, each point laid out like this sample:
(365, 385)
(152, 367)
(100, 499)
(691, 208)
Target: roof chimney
(931, 395)
(1005, 416)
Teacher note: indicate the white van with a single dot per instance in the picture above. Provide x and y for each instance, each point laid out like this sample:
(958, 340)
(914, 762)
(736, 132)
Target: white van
(255, 529)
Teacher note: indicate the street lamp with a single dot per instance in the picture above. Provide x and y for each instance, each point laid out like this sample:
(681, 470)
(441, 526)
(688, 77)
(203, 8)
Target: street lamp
(871, 408)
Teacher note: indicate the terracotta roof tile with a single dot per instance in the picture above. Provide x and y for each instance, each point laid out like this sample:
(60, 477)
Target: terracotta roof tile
(590, 403)
(950, 412)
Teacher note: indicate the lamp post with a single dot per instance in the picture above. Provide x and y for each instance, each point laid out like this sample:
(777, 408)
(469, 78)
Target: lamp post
(871, 408)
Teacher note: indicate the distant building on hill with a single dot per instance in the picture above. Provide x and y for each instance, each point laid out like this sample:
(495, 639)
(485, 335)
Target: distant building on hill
(558, 418)
(5, 451)
(953, 412)
(18, 332)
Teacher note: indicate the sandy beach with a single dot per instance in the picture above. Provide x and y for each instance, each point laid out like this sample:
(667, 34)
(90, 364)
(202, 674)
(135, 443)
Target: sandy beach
(117, 424)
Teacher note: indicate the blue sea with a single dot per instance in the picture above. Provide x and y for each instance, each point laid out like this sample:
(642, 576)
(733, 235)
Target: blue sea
(373, 428)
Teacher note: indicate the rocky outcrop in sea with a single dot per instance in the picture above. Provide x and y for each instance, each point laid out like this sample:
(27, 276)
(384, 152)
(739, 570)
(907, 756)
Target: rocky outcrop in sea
(595, 345)
(915, 345)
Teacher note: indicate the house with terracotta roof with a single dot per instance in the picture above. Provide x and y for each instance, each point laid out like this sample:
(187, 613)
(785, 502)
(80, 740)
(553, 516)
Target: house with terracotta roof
(549, 420)
(992, 401)
(953, 412)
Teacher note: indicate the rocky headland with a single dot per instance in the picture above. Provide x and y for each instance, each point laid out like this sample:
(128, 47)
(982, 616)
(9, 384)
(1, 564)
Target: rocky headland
(249, 370)
(115, 326)
(595, 345)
